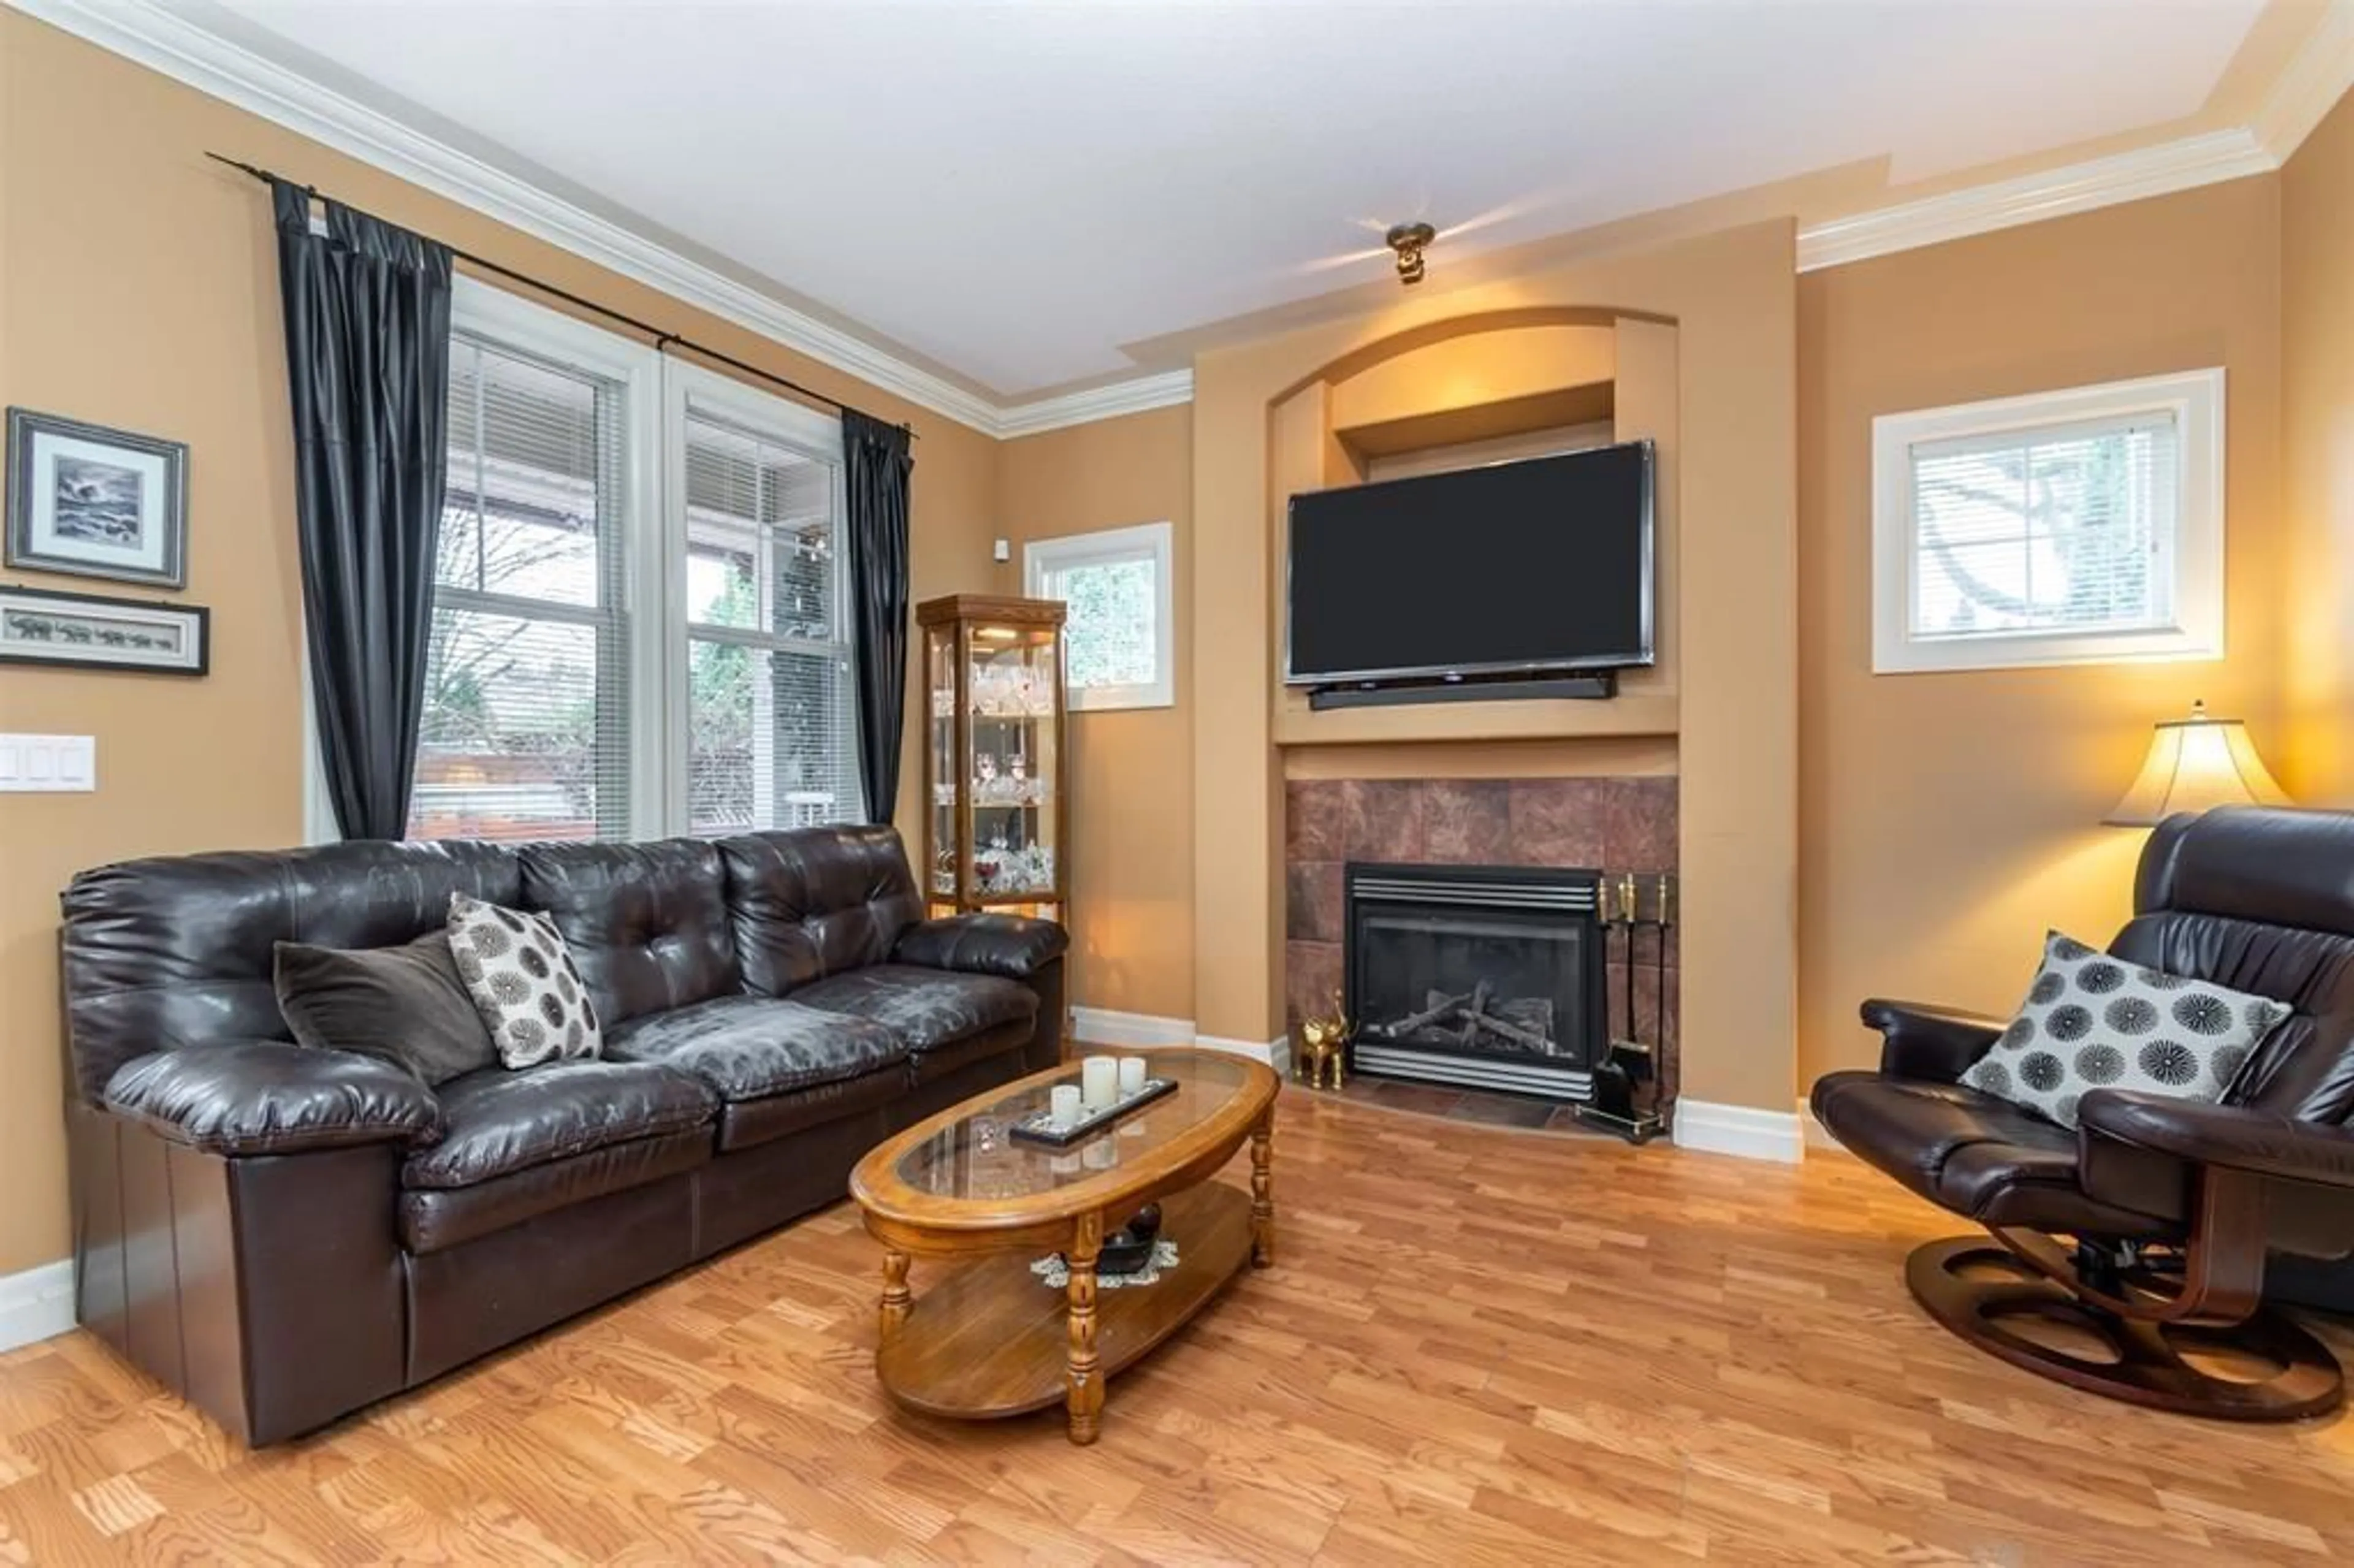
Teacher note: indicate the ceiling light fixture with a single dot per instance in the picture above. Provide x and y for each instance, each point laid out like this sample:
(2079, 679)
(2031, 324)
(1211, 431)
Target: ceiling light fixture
(1408, 240)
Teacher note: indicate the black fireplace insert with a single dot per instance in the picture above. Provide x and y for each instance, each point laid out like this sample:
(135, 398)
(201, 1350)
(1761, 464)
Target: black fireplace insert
(1484, 977)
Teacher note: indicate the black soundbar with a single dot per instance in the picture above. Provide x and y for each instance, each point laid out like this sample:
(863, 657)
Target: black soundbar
(1600, 685)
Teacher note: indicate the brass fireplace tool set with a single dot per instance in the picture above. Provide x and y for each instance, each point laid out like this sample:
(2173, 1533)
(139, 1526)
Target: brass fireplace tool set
(1627, 1079)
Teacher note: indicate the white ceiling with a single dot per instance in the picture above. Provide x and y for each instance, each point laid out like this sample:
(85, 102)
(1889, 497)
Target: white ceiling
(1015, 190)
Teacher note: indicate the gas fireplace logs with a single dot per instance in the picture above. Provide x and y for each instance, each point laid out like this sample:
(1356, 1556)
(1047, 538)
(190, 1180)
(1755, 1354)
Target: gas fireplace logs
(1525, 1023)
(1626, 1081)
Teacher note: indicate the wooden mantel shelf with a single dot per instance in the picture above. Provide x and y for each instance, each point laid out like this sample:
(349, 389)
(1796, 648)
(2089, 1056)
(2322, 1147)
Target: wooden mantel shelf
(1639, 713)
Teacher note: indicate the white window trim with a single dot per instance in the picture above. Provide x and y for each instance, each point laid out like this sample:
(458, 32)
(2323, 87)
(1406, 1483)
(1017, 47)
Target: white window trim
(1041, 556)
(691, 387)
(2196, 399)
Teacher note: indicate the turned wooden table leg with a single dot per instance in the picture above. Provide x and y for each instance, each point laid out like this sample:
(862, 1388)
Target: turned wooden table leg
(1085, 1397)
(1263, 1192)
(896, 1295)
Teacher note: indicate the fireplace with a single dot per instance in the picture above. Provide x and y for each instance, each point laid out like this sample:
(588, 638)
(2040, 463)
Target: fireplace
(1482, 976)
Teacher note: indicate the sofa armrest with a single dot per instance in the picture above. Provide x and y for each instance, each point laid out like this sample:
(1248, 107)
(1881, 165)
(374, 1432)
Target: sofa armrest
(266, 1096)
(1013, 945)
(2262, 1143)
(1921, 1041)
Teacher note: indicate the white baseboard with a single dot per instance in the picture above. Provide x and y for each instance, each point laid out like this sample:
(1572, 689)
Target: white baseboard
(1145, 1030)
(36, 1303)
(1817, 1135)
(1275, 1053)
(1141, 1030)
(1739, 1131)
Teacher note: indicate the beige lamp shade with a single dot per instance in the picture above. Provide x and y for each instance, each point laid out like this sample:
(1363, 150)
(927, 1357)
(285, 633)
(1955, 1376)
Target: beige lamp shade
(2193, 764)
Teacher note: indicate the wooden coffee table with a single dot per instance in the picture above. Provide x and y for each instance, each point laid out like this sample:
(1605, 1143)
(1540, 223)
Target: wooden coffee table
(990, 1338)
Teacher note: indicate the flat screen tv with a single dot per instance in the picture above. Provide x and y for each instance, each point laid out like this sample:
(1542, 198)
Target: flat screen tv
(1518, 568)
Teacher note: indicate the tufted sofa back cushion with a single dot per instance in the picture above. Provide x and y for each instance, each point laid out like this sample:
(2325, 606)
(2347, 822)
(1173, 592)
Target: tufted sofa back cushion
(2262, 899)
(174, 953)
(647, 923)
(816, 901)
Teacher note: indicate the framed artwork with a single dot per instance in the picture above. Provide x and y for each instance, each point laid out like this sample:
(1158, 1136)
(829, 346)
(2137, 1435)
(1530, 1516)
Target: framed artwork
(96, 502)
(84, 630)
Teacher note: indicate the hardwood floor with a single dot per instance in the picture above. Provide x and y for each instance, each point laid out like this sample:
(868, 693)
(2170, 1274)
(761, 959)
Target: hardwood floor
(1444, 1365)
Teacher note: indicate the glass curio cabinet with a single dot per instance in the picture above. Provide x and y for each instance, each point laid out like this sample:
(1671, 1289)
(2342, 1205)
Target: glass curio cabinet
(996, 824)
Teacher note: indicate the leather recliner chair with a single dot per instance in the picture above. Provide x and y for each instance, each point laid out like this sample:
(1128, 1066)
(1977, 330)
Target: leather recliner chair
(2151, 1224)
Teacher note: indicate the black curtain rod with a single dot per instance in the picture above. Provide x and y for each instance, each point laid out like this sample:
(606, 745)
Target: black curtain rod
(664, 341)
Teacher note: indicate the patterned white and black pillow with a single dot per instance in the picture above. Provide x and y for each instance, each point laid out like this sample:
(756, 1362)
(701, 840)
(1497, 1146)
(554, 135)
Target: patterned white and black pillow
(523, 983)
(2092, 1021)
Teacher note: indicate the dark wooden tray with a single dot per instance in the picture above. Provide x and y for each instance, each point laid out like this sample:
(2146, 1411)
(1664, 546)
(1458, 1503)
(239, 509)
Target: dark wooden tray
(1038, 1126)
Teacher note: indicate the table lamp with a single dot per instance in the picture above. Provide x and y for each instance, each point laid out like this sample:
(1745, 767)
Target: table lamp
(2193, 764)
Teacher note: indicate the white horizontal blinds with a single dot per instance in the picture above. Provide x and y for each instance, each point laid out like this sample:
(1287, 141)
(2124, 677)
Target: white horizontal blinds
(525, 729)
(771, 742)
(2061, 529)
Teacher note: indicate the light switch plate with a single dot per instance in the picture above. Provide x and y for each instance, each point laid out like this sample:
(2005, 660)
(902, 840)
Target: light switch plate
(1004, 550)
(47, 764)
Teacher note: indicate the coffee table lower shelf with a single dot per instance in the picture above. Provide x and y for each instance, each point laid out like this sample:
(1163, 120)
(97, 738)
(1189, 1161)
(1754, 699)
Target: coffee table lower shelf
(990, 1338)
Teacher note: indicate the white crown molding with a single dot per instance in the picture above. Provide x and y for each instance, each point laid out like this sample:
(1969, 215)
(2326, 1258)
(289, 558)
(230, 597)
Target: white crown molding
(2315, 77)
(152, 35)
(2315, 80)
(1739, 1131)
(1134, 396)
(2030, 199)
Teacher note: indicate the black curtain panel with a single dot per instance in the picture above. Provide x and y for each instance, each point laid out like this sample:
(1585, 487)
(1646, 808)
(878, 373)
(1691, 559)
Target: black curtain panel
(367, 363)
(878, 462)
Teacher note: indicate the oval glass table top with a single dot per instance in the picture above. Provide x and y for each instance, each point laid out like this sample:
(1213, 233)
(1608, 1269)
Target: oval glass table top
(965, 1166)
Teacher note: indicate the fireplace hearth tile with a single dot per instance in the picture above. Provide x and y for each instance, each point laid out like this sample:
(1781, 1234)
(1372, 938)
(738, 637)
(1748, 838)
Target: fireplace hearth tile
(1430, 1099)
(1501, 1110)
(1311, 978)
(1639, 824)
(1559, 822)
(1315, 813)
(1467, 821)
(1382, 821)
(1312, 901)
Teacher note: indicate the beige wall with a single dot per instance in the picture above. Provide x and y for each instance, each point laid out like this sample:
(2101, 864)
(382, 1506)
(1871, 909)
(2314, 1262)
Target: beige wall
(138, 288)
(2317, 421)
(1948, 818)
(1131, 771)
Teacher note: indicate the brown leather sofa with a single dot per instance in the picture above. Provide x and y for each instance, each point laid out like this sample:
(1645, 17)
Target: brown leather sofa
(284, 1235)
(2159, 1225)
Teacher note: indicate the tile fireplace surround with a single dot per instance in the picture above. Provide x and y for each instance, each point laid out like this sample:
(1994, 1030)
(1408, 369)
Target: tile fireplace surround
(1613, 825)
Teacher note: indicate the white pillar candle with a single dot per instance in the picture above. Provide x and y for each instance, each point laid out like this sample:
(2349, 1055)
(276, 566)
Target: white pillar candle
(1099, 1081)
(1063, 1104)
(1131, 1076)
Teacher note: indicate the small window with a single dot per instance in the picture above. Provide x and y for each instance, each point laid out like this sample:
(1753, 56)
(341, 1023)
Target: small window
(2075, 527)
(1117, 643)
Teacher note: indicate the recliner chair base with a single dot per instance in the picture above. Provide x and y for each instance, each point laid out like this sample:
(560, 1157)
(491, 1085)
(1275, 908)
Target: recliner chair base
(2149, 1368)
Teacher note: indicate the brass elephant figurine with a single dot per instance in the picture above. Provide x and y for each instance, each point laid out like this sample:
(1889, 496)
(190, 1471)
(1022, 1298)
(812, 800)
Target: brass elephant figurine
(1324, 1049)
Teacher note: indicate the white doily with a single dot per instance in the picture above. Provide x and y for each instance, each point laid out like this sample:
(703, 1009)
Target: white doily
(1055, 1273)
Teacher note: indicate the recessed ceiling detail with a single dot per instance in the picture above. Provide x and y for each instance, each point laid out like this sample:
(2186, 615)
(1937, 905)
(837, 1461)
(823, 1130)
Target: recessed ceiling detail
(670, 144)
(1108, 138)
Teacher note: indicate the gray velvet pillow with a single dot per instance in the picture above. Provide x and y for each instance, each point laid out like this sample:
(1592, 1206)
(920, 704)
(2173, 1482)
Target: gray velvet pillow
(405, 1004)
